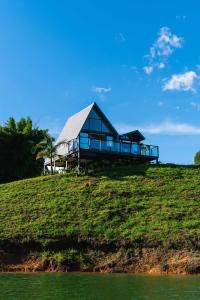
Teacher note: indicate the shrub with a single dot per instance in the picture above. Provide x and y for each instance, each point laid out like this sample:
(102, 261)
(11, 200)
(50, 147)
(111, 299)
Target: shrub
(197, 158)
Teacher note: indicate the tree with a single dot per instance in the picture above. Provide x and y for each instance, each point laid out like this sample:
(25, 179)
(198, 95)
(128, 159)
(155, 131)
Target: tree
(18, 141)
(197, 158)
(48, 149)
(11, 125)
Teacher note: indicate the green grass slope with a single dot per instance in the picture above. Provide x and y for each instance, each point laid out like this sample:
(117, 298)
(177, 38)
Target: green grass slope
(153, 205)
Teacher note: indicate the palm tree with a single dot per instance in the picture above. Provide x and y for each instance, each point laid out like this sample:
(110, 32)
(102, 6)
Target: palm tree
(48, 149)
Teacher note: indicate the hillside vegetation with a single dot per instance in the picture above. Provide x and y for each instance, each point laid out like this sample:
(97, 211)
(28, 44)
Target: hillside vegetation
(121, 207)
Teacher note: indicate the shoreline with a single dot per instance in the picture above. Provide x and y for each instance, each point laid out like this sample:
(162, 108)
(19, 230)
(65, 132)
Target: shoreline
(153, 261)
(102, 273)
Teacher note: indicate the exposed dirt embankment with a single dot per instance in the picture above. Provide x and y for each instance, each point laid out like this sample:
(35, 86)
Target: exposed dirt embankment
(146, 260)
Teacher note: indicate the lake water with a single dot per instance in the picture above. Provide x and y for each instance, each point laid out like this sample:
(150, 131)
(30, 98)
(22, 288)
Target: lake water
(97, 286)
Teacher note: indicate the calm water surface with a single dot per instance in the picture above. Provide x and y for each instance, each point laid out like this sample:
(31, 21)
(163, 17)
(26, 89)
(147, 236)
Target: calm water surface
(97, 286)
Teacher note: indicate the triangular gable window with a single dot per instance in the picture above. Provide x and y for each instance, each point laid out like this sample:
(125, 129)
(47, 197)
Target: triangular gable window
(93, 115)
(95, 123)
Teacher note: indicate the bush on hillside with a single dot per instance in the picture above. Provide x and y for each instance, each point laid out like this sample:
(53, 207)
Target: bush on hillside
(197, 158)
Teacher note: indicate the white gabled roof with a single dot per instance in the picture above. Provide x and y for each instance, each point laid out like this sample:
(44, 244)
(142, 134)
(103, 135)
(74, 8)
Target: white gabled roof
(73, 127)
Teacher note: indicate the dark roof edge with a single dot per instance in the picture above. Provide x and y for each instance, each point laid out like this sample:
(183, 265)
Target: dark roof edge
(142, 138)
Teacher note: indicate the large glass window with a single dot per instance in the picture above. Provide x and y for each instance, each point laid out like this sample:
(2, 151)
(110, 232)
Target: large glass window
(154, 151)
(125, 147)
(95, 144)
(94, 123)
(84, 134)
(105, 128)
(135, 149)
(84, 141)
(110, 141)
(93, 115)
(116, 147)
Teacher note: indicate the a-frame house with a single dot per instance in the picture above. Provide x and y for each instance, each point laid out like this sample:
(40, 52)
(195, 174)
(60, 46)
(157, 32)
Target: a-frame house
(89, 135)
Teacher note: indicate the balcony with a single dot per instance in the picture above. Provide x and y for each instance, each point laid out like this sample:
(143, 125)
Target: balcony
(121, 148)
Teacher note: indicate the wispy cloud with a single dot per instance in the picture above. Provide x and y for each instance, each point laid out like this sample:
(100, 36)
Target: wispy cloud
(161, 66)
(101, 90)
(163, 47)
(164, 128)
(148, 69)
(181, 82)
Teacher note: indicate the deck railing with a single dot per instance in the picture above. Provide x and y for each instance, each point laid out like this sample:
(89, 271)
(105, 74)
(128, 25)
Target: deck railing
(113, 147)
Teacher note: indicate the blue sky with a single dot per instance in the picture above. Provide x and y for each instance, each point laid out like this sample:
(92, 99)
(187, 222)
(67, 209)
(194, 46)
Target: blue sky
(139, 60)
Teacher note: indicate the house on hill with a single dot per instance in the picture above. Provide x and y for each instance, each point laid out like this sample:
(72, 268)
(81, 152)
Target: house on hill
(89, 135)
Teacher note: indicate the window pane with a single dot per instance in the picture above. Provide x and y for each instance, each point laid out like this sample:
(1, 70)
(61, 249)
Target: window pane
(93, 115)
(95, 144)
(154, 151)
(126, 148)
(116, 147)
(84, 140)
(84, 143)
(135, 149)
(84, 146)
(84, 134)
(104, 146)
(109, 138)
(105, 128)
(95, 124)
(109, 141)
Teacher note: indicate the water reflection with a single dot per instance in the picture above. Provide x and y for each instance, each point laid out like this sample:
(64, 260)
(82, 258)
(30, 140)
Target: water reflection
(96, 286)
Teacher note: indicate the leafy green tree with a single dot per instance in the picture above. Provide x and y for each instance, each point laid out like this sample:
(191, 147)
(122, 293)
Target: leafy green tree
(18, 141)
(10, 125)
(197, 158)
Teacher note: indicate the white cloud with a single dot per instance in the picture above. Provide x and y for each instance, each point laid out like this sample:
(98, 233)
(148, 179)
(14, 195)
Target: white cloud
(101, 90)
(164, 128)
(148, 70)
(163, 47)
(181, 82)
(166, 42)
(161, 66)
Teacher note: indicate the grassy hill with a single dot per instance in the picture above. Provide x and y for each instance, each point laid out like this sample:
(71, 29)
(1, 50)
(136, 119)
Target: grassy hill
(120, 208)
